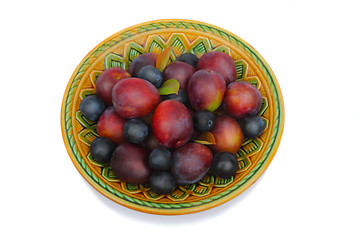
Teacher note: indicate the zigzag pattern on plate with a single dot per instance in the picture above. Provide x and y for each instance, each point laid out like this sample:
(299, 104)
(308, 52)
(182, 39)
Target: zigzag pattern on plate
(180, 44)
(70, 119)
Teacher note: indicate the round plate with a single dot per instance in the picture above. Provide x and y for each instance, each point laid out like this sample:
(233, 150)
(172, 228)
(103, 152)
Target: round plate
(119, 50)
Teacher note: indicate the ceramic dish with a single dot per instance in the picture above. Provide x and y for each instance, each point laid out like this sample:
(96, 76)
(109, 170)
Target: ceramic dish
(184, 36)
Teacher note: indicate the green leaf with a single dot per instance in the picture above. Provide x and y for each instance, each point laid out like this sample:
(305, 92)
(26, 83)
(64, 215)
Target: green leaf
(206, 138)
(169, 87)
(163, 58)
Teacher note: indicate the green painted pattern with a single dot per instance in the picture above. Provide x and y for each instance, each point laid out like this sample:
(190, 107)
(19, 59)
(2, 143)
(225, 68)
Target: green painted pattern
(159, 25)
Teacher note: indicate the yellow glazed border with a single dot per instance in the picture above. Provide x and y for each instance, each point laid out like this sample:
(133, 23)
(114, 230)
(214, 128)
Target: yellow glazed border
(153, 207)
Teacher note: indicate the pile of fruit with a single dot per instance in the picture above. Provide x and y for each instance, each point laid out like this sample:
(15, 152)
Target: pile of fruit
(167, 123)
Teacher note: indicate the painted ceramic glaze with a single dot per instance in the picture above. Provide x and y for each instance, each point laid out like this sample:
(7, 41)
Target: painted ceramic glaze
(119, 50)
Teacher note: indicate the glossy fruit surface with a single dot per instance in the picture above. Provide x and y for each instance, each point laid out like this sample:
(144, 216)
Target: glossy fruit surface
(134, 97)
(252, 126)
(219, 62)
(135, 130)
(162, 182)
(180, 97)
(160, 159)
(206, 90)
(142, 61)
(191, 162)
(129, 163)
(228, 135)
(142, 38)
(180, 71)
(110, 125)
(107, 80)
(189, 58)
(224, 164)
(151, 74)
(92, 107)
(172, 124)
(204, 120)
(242, 99)
(101, 149)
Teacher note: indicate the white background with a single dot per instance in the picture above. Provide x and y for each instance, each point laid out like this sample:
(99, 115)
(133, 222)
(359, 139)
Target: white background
(311, 188)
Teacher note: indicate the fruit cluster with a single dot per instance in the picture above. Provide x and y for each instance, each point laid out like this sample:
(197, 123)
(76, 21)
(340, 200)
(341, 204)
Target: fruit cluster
(167, 124)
